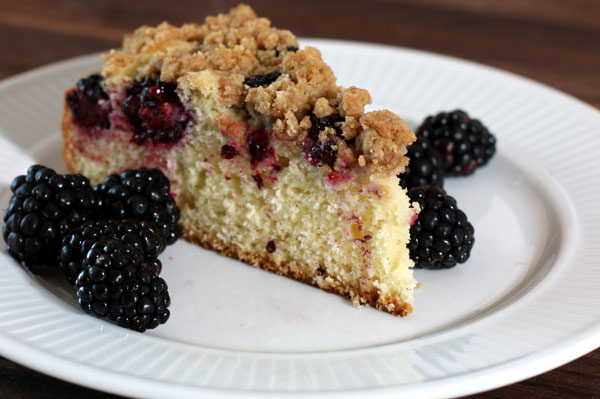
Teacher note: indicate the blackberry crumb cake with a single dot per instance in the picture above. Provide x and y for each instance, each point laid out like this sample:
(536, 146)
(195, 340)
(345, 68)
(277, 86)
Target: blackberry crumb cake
(270, 161)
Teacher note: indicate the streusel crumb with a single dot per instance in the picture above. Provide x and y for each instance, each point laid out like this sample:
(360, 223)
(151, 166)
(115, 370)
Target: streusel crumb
(229, 48)
(382, 139)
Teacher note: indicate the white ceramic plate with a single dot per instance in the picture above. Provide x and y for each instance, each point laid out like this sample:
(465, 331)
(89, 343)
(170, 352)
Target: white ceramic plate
(527, 301)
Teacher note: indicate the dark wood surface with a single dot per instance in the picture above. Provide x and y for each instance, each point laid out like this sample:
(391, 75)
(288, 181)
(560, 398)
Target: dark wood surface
(556, 42)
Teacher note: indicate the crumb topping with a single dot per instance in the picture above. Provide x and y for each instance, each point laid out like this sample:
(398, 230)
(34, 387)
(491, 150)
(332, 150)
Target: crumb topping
(381, 138)
(245, 62)
(238, 42)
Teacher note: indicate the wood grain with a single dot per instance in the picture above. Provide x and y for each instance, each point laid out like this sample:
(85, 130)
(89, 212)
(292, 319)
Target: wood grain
(555, 42)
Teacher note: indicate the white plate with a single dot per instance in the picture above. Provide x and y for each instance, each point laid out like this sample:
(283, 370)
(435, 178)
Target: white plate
(527, 300)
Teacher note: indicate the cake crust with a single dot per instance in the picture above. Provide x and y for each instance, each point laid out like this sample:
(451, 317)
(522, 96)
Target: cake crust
(68, 131)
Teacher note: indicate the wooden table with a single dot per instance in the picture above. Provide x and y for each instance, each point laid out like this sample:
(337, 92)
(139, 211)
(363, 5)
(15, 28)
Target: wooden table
(553, 41)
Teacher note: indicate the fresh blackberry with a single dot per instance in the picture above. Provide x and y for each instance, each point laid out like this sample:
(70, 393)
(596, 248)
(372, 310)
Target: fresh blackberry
(442, 236)
(44, 207)
(425, 166)
(143, 194)
(464, 144)
(144, 236)
(117, 284)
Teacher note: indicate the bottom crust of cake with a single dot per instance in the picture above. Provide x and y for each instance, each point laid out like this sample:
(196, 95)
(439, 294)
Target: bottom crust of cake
(288, 269)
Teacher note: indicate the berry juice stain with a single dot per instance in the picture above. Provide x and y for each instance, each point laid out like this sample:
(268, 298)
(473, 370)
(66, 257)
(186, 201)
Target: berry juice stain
(228, 152)
(259, 181)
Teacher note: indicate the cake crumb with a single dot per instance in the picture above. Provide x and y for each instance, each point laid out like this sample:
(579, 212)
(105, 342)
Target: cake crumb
(353, 101)
(361, 160)
(322, 108)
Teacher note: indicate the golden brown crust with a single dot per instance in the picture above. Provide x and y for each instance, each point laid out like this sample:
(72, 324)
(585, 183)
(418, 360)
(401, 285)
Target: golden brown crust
(390, 305)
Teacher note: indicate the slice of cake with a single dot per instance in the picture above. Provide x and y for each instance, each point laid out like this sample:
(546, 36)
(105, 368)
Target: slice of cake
(270, 161)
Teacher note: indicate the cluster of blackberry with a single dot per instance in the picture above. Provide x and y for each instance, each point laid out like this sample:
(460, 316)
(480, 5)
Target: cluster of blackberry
(448, 144)
(105, 239)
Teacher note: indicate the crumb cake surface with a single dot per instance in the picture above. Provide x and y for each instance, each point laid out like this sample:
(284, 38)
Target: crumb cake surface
(270, 161)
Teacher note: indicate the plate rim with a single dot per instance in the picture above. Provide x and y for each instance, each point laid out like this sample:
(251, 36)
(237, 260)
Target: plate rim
(530, 365)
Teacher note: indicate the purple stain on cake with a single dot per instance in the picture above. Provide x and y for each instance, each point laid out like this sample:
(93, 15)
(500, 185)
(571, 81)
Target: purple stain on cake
(356, 219)
(259, 181)
(320, 152)
(90, 105)
(228, 152)
(258, 145)
(363, 240)
(337, 177)
(271, 246)
(155, 112)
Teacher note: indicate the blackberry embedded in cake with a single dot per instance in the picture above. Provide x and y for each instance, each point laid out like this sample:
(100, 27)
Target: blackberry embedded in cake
(90, 104)
(270, 161)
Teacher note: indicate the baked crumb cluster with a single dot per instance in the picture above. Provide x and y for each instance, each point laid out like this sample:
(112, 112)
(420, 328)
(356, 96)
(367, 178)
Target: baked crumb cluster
(299, 94)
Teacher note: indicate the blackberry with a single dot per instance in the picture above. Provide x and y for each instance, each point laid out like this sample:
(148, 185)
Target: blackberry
(118, 285)
(144, 236)
(425, 166)
(229, 152)
(442, 236)
(44, 207)
(156, 113)
(258, 145)
(90, 104)
(464, 144)
(321, 151)
(262, 80)
(143, 194)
